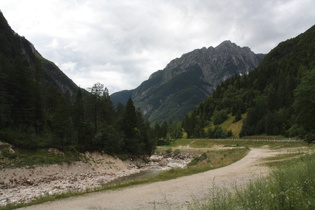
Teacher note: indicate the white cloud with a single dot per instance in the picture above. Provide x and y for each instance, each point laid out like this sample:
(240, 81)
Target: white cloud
(54, 44)
(120, 43)
(68, 67)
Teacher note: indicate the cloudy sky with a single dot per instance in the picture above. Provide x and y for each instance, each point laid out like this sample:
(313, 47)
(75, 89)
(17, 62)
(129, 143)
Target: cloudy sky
(121, 42)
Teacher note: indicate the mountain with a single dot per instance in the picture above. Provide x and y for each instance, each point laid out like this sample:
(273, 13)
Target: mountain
(170, 93)
(30, 85)
(277, 98)
(14, 46)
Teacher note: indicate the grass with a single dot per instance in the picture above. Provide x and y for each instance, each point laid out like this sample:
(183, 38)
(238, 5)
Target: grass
(291, 185)
(36, 157)
(235, 127)
(209, 143)
(281, 159)
(228, 124)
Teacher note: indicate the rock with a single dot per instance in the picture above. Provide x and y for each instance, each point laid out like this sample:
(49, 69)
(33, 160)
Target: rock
(163, 162)
(55, 151)
(156, 158)
(7, 147)
(10, 150)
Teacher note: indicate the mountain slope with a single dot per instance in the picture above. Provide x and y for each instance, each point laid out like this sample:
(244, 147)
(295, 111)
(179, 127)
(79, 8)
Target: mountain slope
(170, 93)
(14, 46)
(30, 85)
(274, 96)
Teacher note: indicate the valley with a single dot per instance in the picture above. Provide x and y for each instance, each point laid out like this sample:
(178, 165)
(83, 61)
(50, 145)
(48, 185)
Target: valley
(216, 123)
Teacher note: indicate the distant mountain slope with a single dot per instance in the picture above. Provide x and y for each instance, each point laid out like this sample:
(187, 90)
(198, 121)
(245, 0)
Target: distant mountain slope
(170, 93)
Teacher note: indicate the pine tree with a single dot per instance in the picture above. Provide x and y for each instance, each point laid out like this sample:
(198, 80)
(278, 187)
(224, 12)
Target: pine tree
(62, 123)
(305, 106)
(129, 127)
(79, 118)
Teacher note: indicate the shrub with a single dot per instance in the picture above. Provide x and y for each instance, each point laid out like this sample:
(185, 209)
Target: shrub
(168, 151)
(176, 152)
(198, 159)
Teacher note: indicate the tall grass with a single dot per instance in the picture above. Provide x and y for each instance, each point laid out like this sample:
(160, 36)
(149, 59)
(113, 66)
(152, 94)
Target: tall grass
(290, 186)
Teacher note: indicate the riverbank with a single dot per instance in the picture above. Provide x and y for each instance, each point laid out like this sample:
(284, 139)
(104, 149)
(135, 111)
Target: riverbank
(25, 184)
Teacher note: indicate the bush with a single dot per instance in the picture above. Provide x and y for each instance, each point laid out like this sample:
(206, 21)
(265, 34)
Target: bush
(218, 133)
(168, 151)
(176, 152)
(198, 159)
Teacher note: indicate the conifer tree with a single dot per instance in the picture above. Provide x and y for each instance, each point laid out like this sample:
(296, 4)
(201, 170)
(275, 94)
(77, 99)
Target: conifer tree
(62, 123)
(129, 127)
(79, 118)
(305, 106)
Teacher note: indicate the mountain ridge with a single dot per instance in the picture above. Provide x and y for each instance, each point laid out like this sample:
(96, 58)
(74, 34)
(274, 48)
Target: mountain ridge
(207, 66)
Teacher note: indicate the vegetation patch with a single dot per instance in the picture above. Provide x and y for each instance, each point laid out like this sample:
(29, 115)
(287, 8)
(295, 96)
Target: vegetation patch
(198, 159)
(36, 157)
(273, 144)
(232, 125)
(290, 186)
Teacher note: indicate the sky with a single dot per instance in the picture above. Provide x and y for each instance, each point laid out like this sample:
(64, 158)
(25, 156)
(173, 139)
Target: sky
(120, 43)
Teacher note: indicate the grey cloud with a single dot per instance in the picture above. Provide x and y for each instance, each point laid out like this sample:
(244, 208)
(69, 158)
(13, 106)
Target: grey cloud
(122, 42)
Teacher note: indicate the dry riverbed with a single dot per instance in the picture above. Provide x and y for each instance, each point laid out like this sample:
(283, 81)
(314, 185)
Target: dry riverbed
(25, 184)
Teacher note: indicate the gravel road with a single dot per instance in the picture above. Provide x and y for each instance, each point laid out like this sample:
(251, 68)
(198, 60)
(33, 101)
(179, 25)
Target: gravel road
(176, 193)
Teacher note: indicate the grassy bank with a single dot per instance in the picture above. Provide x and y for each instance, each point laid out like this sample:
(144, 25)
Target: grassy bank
(22, 158)
(290, 186)
(208, 143)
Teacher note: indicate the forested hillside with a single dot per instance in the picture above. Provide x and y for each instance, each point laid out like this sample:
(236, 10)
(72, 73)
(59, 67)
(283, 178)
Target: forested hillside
(278, 97)
(41, 107)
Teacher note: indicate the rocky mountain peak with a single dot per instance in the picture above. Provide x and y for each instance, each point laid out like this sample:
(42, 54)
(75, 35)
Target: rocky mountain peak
(170, 93)
(212, 59)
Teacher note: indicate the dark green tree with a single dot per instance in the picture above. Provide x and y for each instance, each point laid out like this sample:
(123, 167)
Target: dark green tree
(62, 123)
(305, 106)
(130, 130)
(79, 119)
(97, 92)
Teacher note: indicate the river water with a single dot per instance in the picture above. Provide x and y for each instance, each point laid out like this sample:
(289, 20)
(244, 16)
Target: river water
(150, 171)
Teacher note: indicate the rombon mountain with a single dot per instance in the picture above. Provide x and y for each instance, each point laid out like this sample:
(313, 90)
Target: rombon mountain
(170, 93)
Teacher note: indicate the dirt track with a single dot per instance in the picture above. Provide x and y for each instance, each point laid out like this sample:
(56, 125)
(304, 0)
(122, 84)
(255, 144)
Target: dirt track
(177, 193)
